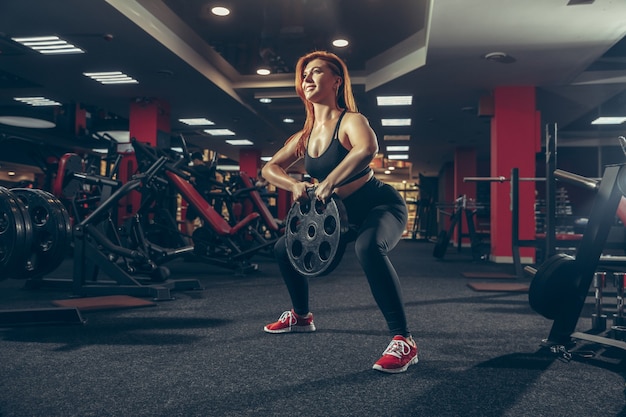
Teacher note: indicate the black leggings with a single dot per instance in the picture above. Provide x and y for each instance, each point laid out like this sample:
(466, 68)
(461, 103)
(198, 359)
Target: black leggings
(380, 215)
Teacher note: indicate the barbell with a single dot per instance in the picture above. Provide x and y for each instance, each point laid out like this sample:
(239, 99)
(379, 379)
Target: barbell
(316, 235)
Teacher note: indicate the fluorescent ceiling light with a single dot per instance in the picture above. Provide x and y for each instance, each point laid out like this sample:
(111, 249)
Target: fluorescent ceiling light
(609, 121)
(396, 137)
(49, 45)
(394, 100)
(265, 100)
(266, 158)
(219, 132)
(263, 71)
(396, 122)
(387, 172)
(37, 101)
(197, 121)
(397, 148)
(288, 120)
(228, 167)
(111, 77)
(239, 142)
(31, 122)
(398, 156)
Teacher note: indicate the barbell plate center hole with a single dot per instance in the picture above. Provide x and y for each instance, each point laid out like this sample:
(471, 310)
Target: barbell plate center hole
(311, 231)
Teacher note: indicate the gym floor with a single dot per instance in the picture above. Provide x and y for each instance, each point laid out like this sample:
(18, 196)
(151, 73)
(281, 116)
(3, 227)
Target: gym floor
(205, 353)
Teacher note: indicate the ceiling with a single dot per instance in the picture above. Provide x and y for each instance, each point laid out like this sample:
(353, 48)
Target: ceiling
(574, 52)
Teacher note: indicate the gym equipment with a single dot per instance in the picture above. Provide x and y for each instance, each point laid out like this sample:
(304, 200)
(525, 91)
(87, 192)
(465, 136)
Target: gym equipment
(563, 282)
(461, 205)
(131, 271)
(619, 318)
(16, 234)
(315, 235)
(598, 318)
(52, 233)
(216, 242)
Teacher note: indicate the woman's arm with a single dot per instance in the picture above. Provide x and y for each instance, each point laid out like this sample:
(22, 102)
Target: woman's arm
(275, 171)
(364, 146)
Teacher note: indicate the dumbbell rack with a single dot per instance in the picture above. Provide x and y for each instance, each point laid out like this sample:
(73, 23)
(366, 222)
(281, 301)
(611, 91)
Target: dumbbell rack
(587, 258)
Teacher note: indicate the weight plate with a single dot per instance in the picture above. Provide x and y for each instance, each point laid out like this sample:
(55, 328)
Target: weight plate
(16, 234)
(51, 232)
(553, 285)
(315, 235)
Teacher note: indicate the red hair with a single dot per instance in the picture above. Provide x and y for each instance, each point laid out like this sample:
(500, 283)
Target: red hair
(345, 96)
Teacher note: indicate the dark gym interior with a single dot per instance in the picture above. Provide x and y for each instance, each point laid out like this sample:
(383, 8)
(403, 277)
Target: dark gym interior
(114, 301)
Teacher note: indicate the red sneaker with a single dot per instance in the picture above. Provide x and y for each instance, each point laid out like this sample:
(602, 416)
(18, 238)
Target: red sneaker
(397, 357)
(289, 321)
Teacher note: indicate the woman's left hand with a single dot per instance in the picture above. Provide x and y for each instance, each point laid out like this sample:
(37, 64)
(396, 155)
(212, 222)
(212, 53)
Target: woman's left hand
(323, 191)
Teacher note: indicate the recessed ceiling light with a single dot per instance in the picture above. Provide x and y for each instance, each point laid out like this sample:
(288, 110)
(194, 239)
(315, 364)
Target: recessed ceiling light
(396, 122)
(288, 120)
(394, 100)
(387, 172)
(220, 11)
(397, 148)
(239, 142)
(196, 121)
(266, 158)
(49, 45)
(501, 57)
(265, 100)
(609, 121)
(341, 43)
(263, 71)
(219, 132)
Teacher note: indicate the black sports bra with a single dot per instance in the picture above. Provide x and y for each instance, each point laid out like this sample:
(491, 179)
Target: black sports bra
(320, 167)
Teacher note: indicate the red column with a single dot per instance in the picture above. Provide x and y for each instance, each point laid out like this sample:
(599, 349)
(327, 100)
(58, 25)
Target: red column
(249, 162)
(515, 140)
(147, 118)
(465, 165)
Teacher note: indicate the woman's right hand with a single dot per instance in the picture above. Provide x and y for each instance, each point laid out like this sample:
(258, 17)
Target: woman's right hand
(300, 191)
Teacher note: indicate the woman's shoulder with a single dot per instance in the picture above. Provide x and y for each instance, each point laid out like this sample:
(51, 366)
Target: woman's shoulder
(356, 118)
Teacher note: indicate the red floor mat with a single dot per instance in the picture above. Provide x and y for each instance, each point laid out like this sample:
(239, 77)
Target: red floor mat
(108, 302)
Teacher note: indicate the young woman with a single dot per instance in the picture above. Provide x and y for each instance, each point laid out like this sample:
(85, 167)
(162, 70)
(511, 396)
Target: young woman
(337, 145)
